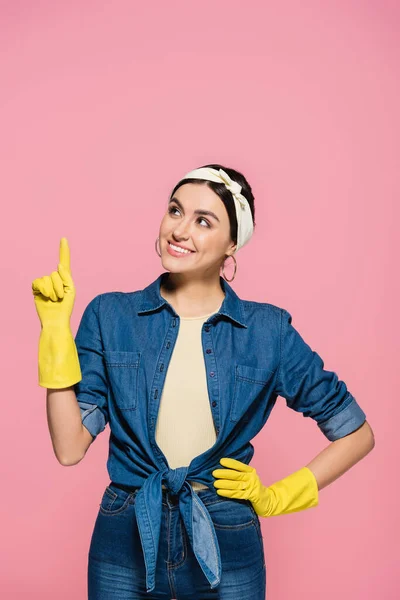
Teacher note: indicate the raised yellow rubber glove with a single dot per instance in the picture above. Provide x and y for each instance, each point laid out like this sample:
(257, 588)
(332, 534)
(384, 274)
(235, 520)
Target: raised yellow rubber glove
(54, 297)
(296, 492)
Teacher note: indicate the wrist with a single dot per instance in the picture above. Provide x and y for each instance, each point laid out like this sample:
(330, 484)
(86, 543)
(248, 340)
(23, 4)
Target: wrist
(56, 328)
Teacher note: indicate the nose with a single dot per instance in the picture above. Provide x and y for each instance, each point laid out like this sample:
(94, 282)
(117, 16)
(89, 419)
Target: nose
(181, 232)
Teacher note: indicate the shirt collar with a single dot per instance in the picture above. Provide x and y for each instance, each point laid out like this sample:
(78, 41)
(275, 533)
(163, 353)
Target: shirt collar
(232, 306)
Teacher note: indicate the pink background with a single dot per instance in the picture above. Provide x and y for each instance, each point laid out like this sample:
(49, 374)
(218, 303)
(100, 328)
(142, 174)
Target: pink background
(104, 106)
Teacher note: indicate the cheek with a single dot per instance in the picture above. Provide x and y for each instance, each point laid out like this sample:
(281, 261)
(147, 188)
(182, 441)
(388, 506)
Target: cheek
(209, 243)
(164, 223)
(204, 241)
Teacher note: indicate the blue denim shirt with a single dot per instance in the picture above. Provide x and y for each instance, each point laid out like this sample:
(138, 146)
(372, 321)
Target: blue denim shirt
(252, 355)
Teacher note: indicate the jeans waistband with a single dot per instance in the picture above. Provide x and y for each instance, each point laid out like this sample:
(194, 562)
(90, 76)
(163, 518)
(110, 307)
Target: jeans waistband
(169, 499)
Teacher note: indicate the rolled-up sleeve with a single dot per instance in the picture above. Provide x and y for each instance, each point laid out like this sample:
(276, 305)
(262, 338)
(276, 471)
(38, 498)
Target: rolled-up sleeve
(92, 391)
(312, 390)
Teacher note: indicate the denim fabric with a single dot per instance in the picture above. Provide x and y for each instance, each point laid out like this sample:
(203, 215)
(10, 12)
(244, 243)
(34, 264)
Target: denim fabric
(116, 564)
(252, 354)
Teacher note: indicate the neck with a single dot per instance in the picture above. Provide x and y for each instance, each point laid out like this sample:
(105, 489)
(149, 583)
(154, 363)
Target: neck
(191, 295)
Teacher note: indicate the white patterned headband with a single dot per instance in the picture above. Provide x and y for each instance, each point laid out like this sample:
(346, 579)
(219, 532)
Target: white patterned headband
(243, 212)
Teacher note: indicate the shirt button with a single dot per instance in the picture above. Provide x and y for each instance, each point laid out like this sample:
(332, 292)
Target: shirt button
(208, 350)
(214, 403)
(168, 344)
(212, 374)
(162, 367)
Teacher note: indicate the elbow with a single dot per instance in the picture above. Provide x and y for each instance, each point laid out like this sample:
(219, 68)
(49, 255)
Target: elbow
(364, 438)
(68, 461)
(74, 453)
(369, 435)
(365, 433)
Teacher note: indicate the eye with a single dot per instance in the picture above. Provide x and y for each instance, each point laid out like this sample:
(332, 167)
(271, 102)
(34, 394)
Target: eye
(172, 208)
(205, 221)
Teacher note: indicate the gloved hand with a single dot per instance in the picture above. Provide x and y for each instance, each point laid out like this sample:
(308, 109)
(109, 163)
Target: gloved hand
(296, 492)
(54, 297)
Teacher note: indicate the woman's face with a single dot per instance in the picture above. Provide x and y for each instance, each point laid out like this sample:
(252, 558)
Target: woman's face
(196, 219)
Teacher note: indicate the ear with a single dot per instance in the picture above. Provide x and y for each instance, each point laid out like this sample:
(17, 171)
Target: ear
(231, 250)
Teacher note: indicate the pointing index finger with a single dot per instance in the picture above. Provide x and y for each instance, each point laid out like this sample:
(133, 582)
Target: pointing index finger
(65, 258)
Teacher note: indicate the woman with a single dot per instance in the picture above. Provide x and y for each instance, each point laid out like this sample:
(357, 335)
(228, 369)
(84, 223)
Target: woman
(186, 373)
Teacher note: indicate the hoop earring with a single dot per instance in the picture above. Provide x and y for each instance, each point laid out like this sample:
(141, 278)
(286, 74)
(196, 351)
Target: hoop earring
(159, 254)
(234, 272)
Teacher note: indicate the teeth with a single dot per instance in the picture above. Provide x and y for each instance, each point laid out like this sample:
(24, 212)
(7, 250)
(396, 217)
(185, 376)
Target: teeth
(179, 249)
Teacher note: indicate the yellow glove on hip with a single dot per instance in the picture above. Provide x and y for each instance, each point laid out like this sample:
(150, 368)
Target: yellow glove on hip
(54, 297)
(296, 492)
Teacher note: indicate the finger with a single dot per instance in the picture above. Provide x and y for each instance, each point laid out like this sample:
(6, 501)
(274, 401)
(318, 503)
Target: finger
(37, 286)
(234, 494)
(40, 287)
(228, 474)
(223, 493)
(228, 484)
(66, 278)
(236, 464)
(65, 256)
(48, 287)
(57, 284)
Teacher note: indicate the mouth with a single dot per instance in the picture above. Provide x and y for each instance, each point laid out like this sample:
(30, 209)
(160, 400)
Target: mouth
(177, 251)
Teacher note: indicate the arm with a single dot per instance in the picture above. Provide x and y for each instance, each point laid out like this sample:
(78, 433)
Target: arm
(317, 393)
(78, 413)
(300, 490)
(69, 437)
(341, 455)
(58, 362)
(72, 371)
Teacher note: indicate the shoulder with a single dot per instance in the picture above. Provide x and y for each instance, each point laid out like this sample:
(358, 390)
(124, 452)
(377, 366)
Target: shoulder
(112, 296)
(267, 308)
(263, 309)
(263, 317)
(261, 306)
(114, 301)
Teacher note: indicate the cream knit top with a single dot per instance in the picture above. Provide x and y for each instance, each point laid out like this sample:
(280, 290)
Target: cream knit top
(185, 426)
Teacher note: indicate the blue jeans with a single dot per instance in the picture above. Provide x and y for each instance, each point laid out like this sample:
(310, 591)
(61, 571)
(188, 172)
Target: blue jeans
(116, 569)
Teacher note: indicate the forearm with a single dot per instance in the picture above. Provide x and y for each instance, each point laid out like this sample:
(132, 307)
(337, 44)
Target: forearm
(65, 425)
(341, 455)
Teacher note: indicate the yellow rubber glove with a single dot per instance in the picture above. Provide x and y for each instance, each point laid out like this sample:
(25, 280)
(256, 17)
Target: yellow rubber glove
(54, 297)
(296, 492)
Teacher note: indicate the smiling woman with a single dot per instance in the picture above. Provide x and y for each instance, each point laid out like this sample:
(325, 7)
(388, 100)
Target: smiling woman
(208, 177)
(186, 373)
(202, 221)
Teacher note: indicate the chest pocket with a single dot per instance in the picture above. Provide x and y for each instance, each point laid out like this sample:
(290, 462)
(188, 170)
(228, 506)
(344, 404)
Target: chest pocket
(251, 385)
(123, 372)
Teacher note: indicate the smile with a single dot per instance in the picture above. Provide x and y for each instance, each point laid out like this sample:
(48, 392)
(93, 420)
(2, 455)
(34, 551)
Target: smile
(176, 251)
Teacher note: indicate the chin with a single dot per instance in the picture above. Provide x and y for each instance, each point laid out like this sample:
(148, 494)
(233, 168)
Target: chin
(171, 266)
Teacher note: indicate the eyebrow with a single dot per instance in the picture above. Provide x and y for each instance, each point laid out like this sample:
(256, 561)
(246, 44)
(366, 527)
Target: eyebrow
(196, 212)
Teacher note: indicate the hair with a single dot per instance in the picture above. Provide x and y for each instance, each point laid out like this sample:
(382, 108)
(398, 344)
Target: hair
(225, 195)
